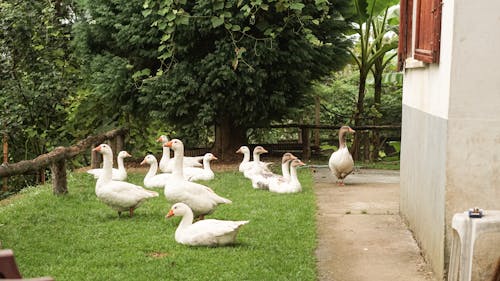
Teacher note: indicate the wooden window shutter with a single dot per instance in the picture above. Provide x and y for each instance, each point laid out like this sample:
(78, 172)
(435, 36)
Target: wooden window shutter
(428, 31)
(405, 32)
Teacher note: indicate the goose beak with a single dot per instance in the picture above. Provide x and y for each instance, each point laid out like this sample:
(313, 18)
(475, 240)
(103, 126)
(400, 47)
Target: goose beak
(128, 155)
(239, 150)
(160, 139)
(170, 214)
(351, 130)
(143, 162)
(214, 158)
(97, 148)
(168, 144)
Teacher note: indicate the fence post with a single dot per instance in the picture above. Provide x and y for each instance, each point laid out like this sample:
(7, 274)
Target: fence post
(42, 175)
(95, 158)
(316, 120)
(112, 144)
(120, 143)
(306, 143)
(5, 159)
(59, 180)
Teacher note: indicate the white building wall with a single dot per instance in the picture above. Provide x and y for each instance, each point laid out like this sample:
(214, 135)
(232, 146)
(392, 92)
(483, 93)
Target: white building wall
(450, 157)
(426, 99)
(473, 170)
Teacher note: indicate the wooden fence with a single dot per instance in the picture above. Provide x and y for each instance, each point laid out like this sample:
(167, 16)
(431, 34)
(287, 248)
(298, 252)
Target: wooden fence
(309, 142)
(56, 159)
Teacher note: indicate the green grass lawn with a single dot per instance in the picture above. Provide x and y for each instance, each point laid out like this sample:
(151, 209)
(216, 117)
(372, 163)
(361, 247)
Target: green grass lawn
(76, 237)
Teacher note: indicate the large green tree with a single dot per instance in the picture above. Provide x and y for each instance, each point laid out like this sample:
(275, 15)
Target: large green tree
(238, 64)
(37, 73)
(227, 65)
(113, 40)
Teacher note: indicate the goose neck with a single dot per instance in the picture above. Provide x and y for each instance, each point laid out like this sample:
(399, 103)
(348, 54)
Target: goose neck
(153, 169)
(177, 170)
(187, 219)
(256, 157)
(293, 175)
(285, 170)
(342, 139)
(121, 165)
(166, 153)
(107, 168)
(246, 157)
(206, 165)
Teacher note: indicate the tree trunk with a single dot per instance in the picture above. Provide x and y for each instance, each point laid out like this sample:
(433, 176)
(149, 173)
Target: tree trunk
(377, 75)
(375, 136)
(228, 138)
(378, 91)
(358, 115)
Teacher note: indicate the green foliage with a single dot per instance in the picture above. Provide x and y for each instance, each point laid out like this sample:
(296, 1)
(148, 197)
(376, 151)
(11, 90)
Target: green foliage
(76, 237)
(37, 72)
(116, 47)
(396, 145)
(374, 42)
(338, 96)
(250, 62)
(388, 163)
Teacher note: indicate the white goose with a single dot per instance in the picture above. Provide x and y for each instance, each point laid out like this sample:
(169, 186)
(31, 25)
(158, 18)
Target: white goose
(285, 165)
(165, 157)
(166, 165)
(256, 167)
(285, 168)
(291, 186)
(341, 163)
(201, 199)
(205, 173)
(119, 195)
(245, 163)
(119, 174)
(263, 180)
(153, 180)
(258, 173)
(208, 232)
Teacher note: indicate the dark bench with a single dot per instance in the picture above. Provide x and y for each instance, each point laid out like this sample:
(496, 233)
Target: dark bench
(9, 270)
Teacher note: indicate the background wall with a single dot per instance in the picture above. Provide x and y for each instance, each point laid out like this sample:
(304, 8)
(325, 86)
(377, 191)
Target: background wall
(426, 98)
(450, 157)
(473, 170)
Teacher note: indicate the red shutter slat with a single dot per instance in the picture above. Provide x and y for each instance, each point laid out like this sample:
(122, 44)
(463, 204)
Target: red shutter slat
(428, 31)
(405, 31)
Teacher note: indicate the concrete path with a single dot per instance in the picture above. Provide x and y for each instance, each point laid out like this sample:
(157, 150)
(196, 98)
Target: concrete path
(361, 235)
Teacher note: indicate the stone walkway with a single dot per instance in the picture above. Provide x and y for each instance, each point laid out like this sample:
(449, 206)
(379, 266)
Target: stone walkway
(361, 235)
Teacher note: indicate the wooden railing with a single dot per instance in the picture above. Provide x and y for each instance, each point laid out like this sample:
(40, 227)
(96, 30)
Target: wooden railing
(305, 134)
(56, 159)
